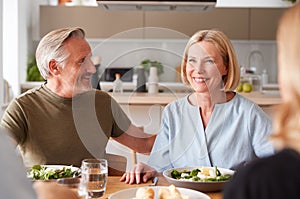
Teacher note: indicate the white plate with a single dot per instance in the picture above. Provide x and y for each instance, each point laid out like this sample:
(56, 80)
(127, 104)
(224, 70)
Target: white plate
(50, 166)
(200, 186)
(53, 167)
(130, 193)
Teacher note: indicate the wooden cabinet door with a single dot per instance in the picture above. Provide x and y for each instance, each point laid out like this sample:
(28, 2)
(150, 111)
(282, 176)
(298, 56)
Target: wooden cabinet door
(233, 22)
(236, 23)
(97, 22)
(146, 116)
(264, 23)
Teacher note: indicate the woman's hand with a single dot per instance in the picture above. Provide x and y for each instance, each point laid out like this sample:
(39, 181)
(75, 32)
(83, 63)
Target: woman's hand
(140, 173)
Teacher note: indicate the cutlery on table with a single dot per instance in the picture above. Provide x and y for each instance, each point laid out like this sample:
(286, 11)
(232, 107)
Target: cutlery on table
(154, 181)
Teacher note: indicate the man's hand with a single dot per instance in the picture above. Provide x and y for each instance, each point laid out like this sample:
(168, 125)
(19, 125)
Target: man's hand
(140, 173)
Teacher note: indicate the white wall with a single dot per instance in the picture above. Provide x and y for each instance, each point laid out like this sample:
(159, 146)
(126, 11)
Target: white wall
(130, 52)
(1, 60)
(16, 42)
(11, 54)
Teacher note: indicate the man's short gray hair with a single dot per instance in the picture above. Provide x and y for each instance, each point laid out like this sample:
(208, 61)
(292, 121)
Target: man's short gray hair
(52, 47)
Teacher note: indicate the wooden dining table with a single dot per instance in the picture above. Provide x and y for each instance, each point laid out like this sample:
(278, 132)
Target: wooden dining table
(114, 185)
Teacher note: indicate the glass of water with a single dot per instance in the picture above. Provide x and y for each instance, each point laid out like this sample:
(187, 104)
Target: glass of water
(94, 177)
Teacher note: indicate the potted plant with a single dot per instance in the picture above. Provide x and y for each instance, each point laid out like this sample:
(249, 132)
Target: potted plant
(33, 73)
(147, 63)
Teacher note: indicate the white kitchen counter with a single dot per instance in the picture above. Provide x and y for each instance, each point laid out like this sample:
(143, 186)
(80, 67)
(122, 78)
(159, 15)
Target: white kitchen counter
(146, 98)
(165, 98)
(164, 86)
(174, 90)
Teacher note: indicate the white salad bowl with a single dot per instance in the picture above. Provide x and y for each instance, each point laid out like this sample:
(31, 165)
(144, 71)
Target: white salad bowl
(197, 185)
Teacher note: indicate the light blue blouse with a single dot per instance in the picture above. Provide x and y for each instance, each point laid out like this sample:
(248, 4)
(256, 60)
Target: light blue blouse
(235, 134)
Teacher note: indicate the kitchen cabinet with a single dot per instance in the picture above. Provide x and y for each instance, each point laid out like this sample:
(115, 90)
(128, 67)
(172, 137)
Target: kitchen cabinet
(269, 109)
(146, 116)
(263, 23)
(97, 22)
(253, 3)
(234, 22)
(237, 23)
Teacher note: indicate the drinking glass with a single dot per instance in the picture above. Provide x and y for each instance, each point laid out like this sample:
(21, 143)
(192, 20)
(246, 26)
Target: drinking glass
(73, 184)
(94, 177)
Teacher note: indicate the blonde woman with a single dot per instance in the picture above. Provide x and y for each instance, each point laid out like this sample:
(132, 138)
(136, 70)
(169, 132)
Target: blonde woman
(279, 176)
(213, 126)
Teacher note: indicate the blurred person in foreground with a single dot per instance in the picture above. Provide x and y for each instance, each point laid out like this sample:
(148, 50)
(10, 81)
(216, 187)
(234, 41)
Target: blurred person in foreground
(13, 181)
(64, 120)
(278, 176)
(213, 126)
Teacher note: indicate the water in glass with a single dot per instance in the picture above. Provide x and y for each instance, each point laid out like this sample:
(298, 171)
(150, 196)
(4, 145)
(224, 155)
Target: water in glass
(94, 177)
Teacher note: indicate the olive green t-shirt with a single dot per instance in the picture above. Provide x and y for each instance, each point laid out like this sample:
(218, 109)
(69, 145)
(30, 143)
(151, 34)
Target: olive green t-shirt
(50, 129)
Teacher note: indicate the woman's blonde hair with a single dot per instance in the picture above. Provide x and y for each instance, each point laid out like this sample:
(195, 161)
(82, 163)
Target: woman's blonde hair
(223, 44)
(287, 119)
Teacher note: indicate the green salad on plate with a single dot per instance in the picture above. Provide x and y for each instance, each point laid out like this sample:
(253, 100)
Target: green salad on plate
(202, 174)
(52, 172)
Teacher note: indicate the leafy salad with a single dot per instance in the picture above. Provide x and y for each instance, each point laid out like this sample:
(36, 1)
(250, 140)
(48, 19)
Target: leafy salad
(43, 172)
(203, 174)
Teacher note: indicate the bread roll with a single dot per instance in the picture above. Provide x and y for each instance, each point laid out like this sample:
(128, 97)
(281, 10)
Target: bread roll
(170, 193)
(144, 193)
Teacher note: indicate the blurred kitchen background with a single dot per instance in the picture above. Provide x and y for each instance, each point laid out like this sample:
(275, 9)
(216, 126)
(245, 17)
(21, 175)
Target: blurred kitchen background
(123, 38)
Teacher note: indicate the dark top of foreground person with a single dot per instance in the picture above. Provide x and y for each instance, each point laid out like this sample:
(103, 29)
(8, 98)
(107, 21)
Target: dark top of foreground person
(278, 174)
